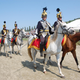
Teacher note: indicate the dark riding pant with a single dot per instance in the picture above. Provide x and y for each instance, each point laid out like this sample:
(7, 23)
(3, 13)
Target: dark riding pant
(43, 43)
(2, 40)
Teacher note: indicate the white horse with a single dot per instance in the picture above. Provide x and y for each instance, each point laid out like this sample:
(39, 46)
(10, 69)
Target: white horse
(54, 47)
(7, 42)
(19, 41)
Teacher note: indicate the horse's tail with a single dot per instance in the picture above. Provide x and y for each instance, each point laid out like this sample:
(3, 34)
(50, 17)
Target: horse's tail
(29, 53)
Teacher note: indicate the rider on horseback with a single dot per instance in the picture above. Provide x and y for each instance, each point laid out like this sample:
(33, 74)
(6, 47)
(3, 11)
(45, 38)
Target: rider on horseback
(59, 18)
(43, 26)
(4, 32)
(15, 31)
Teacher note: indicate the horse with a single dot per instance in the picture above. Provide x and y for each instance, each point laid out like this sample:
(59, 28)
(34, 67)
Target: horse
(54, 47)
(7, 42)
(70, 46)
(19, 41)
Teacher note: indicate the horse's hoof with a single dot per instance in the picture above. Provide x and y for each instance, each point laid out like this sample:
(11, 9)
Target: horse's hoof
(6, 56)
(13, 52)
(10, 56)
(62, 76)
(20, 54)
(16, 53)
(35, 67)
(44, 72)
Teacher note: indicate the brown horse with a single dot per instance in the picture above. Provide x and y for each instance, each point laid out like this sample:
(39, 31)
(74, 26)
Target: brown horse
(70, 46)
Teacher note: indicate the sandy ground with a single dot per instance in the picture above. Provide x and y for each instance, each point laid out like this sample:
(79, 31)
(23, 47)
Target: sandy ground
(21, 68)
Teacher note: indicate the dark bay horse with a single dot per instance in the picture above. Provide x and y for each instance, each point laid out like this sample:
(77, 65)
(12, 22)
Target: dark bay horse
(70, 46)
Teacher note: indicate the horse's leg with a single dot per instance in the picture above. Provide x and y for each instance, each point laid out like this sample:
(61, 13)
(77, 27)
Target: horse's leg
(19, 49)
(13, 48)
(63, 55)
(10, 52)
(76, 60)
(5, 49)
(50, 60)
(33, 53)
(46, 59)
(58, 62)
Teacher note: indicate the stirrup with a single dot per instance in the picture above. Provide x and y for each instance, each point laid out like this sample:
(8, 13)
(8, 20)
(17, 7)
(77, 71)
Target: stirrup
(41, 54)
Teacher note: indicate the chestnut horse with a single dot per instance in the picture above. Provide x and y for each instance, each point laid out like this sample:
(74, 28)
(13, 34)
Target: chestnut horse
(70, 46)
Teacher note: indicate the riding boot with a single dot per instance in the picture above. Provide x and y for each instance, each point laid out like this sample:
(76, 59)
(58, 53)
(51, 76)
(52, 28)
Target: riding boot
(2, 41)
(41, 50)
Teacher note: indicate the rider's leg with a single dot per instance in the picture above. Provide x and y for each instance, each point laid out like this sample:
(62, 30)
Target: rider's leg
(42, 45)
(0, 48)
(2, 41)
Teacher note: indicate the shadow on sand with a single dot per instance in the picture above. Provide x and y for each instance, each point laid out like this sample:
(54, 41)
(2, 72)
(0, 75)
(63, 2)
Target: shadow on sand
(4, 54)
(39, 66)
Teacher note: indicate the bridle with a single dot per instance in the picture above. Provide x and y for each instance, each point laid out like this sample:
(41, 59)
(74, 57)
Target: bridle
(63, 30)
(9, 39)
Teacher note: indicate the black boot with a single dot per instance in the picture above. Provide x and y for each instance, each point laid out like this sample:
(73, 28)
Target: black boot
(2, 40)
(41, 50)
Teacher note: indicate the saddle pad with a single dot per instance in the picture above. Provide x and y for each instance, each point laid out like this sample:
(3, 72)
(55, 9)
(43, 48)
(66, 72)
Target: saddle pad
(1, 40)
(14, 40)
(36, 43)
(64, 40)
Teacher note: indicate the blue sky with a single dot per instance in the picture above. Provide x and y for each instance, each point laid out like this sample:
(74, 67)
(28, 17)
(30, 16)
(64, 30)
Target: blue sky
(28, 12)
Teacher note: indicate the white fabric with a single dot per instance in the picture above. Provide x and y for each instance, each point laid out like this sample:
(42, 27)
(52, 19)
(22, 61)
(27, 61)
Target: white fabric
(74, 24)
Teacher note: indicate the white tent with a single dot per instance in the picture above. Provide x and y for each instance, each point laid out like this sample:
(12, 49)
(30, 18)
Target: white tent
(74, 24)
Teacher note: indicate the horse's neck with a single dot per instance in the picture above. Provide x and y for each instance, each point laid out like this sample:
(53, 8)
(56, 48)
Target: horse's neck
(56, 37)
(19, 37)
(75, 37)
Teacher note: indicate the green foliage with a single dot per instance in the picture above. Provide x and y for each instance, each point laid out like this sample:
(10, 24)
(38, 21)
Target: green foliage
(25, 39)
(29, 28)
(25, 28)
(72, 20)
(78, 43)
(34, 27)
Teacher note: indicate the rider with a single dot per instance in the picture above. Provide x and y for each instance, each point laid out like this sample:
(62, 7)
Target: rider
(15, 31)
(4, 32)
(43, 26)
(59, 18)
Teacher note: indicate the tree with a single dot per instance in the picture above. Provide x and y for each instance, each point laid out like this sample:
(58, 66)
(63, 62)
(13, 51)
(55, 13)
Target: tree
(0, 32)
(34, 27)
(29, 28)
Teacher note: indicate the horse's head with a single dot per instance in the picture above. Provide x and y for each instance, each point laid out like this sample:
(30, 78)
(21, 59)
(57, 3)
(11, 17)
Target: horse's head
(9, 35)
(63, 28)
(23, 33)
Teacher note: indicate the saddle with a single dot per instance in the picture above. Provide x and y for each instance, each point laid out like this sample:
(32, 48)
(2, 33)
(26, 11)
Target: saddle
(13, 40)
(36, 43)
(2, 41)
